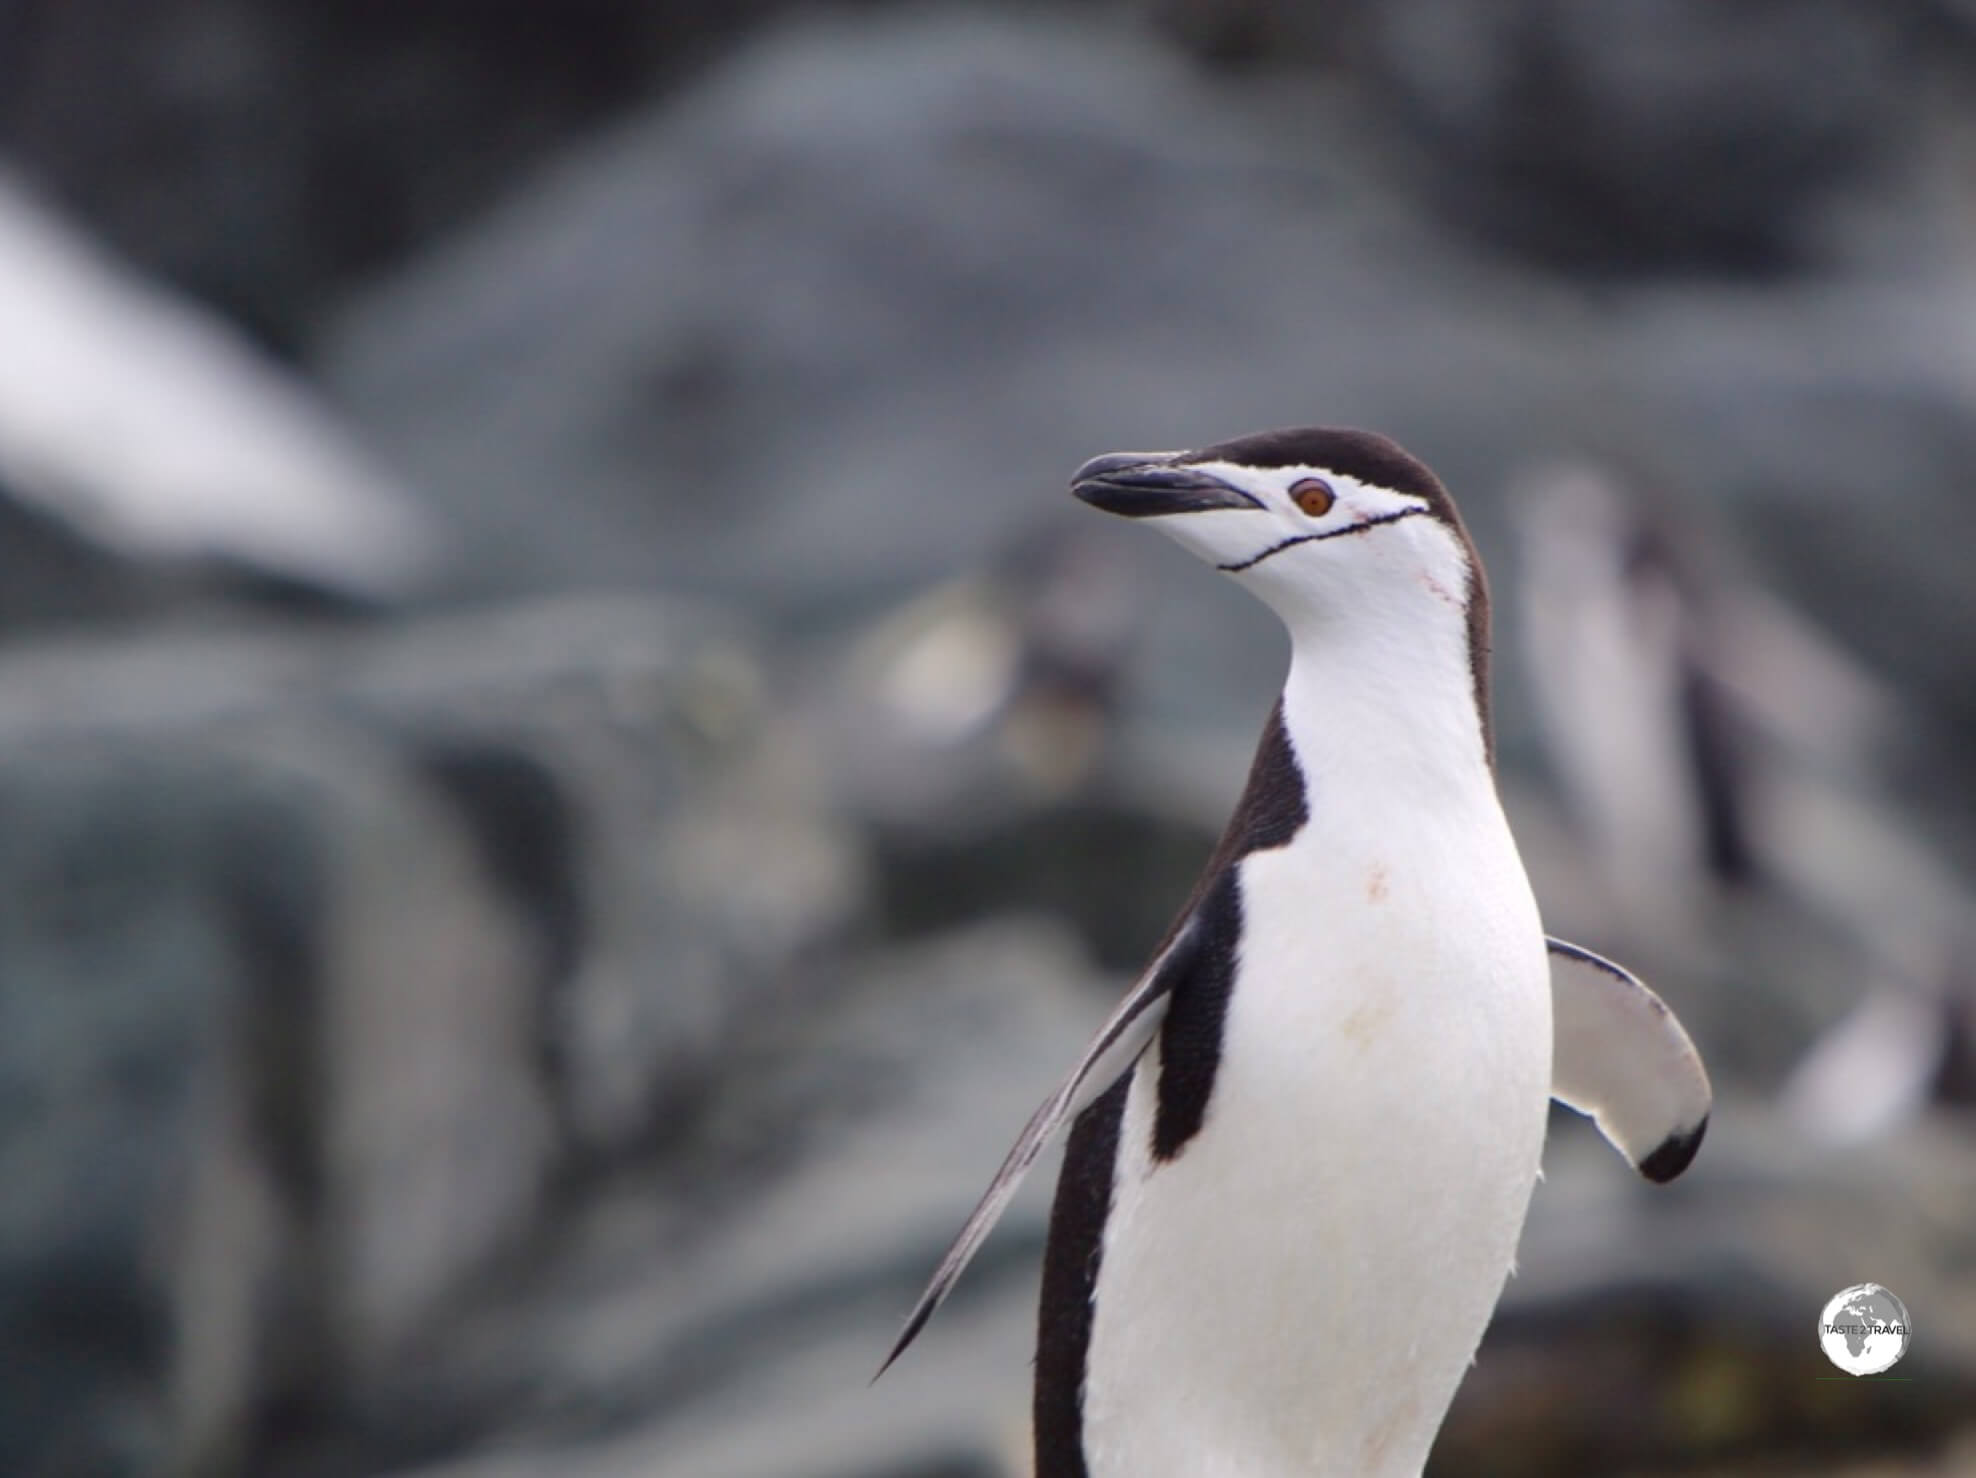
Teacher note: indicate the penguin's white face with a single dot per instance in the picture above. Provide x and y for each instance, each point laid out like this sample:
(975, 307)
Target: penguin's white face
(1315, 522)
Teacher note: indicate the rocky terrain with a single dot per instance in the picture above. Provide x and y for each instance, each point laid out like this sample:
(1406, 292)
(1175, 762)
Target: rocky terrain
(572, 774)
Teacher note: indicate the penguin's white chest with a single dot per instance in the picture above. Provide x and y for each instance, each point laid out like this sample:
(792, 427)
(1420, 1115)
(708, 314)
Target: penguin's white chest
(1300, 1289)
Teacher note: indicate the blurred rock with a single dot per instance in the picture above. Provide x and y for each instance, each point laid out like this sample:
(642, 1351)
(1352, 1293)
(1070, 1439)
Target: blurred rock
(1652, 1329)
(722, 1314)
(1645, 135)
(269, 160)
(1113, 863)
(833, 323)
(976, 736)
(116, 972)
(992, 691)
(722, 392)
(705, 851)
(145, 450)
(1260, 33)
(264, 159)
(377, 1131)
(1621, 137)
(335, 961)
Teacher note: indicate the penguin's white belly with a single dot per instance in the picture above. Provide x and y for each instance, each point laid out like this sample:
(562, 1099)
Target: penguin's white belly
(1301, 1288)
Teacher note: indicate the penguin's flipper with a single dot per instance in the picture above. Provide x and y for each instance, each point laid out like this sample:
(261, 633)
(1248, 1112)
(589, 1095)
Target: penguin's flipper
(1115, 1048)
(1620, 1056)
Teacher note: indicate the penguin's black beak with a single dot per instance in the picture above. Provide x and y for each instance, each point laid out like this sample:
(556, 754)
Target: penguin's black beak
(1133, 486)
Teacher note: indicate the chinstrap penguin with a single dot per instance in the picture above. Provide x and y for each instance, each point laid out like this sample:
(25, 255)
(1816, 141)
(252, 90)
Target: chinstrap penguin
(1304, 1143)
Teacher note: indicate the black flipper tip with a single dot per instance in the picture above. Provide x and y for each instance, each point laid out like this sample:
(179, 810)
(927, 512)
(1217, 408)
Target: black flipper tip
(1673, 1154)
(906, 1337)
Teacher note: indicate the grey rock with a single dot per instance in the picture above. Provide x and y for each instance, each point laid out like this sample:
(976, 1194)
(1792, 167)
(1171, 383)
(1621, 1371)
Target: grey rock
(1668, 1328)
(375, 1130)
(265, 159)
(836, 323)
(333, 959)
(752, 276)
(117, 966)
(1644, 135)
(977, 734)
(1261, 35)
(723, 1315)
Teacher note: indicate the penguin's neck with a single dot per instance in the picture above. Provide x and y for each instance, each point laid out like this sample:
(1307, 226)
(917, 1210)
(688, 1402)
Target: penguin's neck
(1390, 715)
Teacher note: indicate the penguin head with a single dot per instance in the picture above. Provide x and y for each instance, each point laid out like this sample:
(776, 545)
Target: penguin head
(1318, 522)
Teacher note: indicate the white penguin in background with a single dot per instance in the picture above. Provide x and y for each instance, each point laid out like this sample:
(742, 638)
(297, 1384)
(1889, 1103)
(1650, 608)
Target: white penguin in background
(1715, 746)
(1304, 1143)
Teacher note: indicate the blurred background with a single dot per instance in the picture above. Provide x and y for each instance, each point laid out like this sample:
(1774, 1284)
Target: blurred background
(569, 773)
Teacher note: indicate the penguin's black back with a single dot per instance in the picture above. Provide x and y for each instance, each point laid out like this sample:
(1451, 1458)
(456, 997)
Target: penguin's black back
(1070, 1279)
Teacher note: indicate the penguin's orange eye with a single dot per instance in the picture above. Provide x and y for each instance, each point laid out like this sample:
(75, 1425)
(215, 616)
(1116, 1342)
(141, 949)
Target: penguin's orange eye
(1314, 496)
